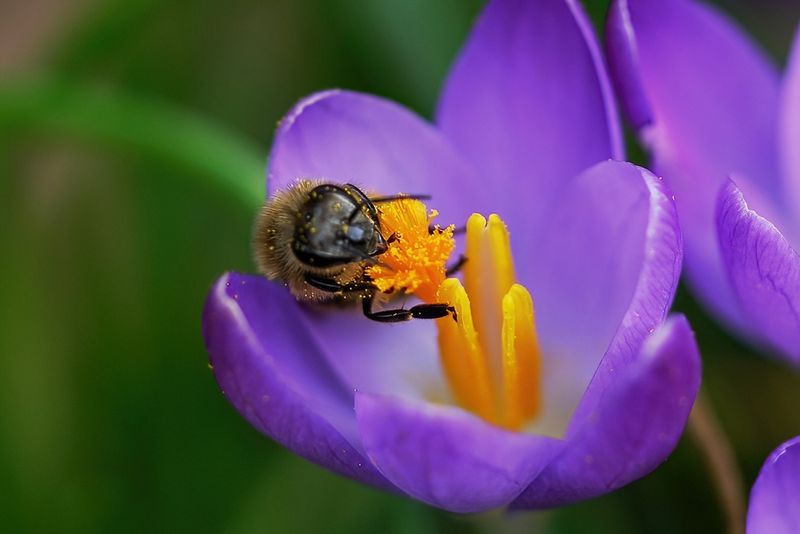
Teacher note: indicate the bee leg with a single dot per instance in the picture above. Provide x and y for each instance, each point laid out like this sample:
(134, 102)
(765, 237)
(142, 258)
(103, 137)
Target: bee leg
(399, 315)
(453, 269)
(325, 284)
(332, 286)
(432, 311)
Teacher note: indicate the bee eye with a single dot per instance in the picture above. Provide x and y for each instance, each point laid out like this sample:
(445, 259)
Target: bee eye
(355, 233)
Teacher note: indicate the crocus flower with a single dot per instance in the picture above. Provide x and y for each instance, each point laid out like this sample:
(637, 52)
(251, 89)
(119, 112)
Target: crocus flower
(524, 119)
(775, 497)
(723, 126)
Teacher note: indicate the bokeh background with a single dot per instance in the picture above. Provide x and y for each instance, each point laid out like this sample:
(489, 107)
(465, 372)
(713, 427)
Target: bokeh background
(132, 136)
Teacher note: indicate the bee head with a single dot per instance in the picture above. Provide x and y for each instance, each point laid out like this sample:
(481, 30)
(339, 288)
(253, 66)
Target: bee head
(337, 225)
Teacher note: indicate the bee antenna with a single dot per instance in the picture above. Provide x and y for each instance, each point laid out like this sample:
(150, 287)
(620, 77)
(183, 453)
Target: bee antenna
(394, 198)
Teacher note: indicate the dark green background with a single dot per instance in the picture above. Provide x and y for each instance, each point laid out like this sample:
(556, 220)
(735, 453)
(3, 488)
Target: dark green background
(125, 127)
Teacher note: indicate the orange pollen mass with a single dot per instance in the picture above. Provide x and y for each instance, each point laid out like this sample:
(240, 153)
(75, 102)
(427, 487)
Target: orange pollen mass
(416, 259)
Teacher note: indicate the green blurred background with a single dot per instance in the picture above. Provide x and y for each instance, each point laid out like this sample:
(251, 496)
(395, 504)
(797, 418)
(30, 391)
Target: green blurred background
(133, 134)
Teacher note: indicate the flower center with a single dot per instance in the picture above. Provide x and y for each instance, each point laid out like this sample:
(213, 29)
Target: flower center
(490, 355)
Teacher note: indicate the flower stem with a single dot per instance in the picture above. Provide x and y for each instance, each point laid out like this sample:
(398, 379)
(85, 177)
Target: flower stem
(707, 433)
(226, 162)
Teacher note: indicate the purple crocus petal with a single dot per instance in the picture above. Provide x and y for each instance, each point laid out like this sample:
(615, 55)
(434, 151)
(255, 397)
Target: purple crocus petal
(775, 497)
(790, 126)
(710, 101)
(277, 378)
(447, 457)
(674, 48)
(623, 65)
(764, 270)
(528, 100)
(368, 358)
(603, 276)
(344, 137)
(634, 427)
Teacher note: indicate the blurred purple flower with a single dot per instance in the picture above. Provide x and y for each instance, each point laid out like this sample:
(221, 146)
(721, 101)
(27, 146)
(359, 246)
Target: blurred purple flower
(524, 119)
(723, 126)
(775, 497)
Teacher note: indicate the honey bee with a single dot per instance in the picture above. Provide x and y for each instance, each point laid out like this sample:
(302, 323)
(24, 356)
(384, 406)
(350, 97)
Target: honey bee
(319, 237)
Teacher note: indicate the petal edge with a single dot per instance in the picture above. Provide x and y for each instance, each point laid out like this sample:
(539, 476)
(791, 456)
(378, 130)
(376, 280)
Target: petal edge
(447, 457)
(634, 427)
(247, 376)
(776, 493)
(764, 270)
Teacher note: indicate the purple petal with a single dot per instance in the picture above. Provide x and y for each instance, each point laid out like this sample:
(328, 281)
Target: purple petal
(764, 270)
(634, 427)
(346, 137)
(400, 359)
(529, 102)
(775, 498)
(710, 100)
(623, 65)
(271, 370)
(712, 94)
(603, 277)
(790, 126)
(447, 457)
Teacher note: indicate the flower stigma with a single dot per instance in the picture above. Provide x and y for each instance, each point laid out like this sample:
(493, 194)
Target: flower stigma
(490, 355)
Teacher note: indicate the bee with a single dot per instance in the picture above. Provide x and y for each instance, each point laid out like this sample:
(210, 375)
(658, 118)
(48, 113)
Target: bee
(318, 238)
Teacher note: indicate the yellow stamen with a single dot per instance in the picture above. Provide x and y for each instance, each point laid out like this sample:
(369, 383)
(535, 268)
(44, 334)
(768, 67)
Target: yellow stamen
(521, 358)
(463, 360)
(416, 260)
(491, 356)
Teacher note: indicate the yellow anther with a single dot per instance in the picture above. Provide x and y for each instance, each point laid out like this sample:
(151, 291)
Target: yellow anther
(491, 356)
(521, 358)
(461, 355)
(416, 259)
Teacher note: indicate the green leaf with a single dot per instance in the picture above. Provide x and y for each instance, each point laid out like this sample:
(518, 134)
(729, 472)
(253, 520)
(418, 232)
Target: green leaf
(221, 159)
